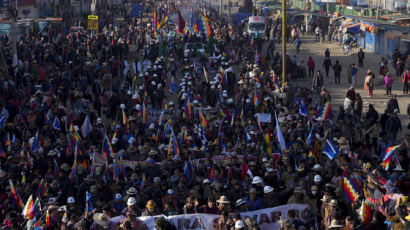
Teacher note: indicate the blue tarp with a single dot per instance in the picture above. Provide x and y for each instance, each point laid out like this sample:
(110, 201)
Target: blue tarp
(319, 3)
(354, 29)
(240, 17)
(5, 29)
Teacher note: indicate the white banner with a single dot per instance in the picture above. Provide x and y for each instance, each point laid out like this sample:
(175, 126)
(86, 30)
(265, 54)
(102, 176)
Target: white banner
(267, 219)
(264, 117)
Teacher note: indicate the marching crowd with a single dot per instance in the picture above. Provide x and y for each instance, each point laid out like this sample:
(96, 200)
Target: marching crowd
(94, 138)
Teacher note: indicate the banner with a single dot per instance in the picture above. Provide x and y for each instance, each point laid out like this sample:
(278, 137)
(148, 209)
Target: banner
(99, 160)
(267, 219)
(264, 117)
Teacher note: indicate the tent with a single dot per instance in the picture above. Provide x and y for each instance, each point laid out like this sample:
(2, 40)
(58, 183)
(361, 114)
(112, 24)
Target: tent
(354, 29)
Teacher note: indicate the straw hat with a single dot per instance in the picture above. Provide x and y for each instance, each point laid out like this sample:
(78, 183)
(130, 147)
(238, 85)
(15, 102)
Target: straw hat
(151, 204)
(101, 219)
(132, 191)
(343, 140)
(252, 190)
(335, 224)
(398, 168)
(223, 200)
(333, 202)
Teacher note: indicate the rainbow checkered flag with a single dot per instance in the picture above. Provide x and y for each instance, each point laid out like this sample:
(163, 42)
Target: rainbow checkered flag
(366, 212)
(350, 190)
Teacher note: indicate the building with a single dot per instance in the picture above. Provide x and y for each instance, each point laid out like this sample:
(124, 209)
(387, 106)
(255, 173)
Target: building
(382, 37)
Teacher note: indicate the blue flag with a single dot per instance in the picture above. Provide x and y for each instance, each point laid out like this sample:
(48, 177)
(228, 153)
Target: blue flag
(191, 20)
(248, 137)
(330, 150)
(186, 172)
(56, 124)
(3, 121)
(89, 204)
(302, 108)
(173, 88)
(281, 140)
(309, 138)
(34, 145)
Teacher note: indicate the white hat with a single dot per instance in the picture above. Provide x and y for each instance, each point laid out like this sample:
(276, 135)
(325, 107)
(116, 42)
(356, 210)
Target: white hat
(153, 83)
(230, 100)
(248, 100)
(131, 140)
(138, 107)
(129, 92)
(265, 160)
(317, 167)
(122, 106)
(170, 191)
(114, 140)
(398, 168)
(170, 103)
(157, 180)
(206, 181)
(131, 201)
(239, 224)
(240, 202)
(159, 85)
(257, 180)
(70, 200)
(267, 189)
(317, 178)
(212, 86)
(76, 128)
(99, 120)
(101, 219)
(118, 196)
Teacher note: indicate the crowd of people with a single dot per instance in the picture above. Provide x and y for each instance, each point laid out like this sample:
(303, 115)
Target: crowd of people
(96, 134)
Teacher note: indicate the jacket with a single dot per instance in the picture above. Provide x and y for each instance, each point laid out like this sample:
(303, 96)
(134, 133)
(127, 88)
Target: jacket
(311, 63)
(388, 81)
(393, 124)
(255, 205)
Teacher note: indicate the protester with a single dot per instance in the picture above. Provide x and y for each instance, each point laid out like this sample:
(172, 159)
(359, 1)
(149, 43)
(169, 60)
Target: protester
(369, 82)
(337, 68)
(360, 56)
(388, 83)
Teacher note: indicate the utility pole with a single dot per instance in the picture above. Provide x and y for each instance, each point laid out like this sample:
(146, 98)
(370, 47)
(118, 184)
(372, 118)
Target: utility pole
(283, 42)
(229, 11)
(378, 7)
(220, 7)
(13, 13)
(327, 7)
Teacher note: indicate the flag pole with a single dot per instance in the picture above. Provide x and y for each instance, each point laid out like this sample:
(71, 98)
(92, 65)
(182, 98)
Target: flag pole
(283, 42)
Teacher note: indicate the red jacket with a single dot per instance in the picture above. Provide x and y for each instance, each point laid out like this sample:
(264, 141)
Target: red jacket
(311, 63)
(405, 77)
